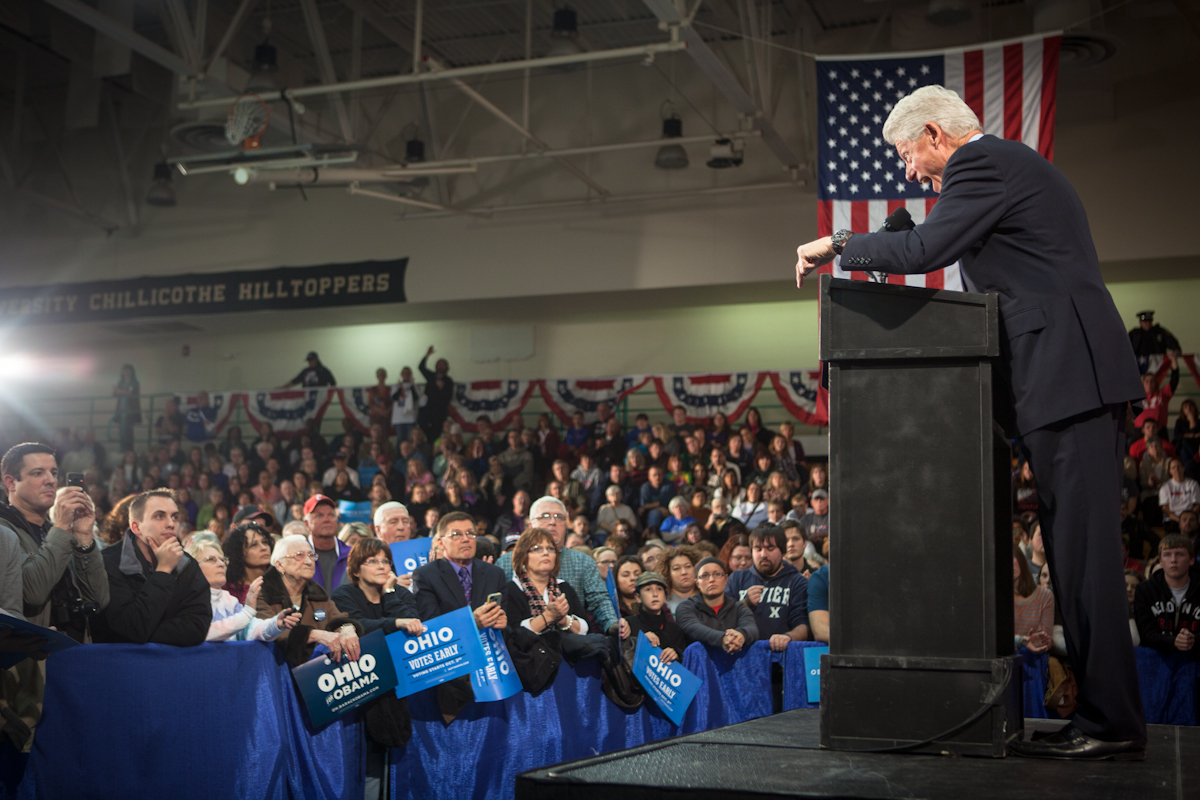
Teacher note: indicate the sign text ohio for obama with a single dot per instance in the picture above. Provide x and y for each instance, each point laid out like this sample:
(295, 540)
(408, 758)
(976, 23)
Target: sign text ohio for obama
(324, 286)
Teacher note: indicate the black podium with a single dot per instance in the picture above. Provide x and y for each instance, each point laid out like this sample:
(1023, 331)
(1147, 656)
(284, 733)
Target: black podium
(921, 603)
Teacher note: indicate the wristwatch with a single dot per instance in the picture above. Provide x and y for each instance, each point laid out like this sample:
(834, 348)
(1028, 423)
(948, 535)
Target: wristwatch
(839, 239)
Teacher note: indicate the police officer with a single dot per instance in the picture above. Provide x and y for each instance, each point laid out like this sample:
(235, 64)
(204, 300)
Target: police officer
(1149, 340)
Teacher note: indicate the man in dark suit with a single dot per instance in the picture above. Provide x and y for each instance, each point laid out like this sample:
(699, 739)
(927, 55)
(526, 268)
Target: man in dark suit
(460, 579)
(1065, 375)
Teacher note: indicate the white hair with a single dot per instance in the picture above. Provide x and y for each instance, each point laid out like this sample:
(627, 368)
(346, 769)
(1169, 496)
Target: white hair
(677, 502)
(295, 528)
(386, 507)
(613, 489)
(547, 500)
(199, 542)
(929, 104)
(285, 546)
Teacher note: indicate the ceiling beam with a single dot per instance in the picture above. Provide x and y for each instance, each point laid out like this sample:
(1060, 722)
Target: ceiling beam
(725, 81)
(123, 35)
(316, 33)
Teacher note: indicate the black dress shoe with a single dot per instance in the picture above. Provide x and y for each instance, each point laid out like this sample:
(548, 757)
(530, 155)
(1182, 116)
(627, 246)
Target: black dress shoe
(1072, 743)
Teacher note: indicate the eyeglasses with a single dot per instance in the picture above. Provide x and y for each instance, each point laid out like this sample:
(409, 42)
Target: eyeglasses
(556, 517)
(215, 560)
(607, 561)
(456, 536)
(541, 548)
(710, 576)
(300, 558)
(377, 562)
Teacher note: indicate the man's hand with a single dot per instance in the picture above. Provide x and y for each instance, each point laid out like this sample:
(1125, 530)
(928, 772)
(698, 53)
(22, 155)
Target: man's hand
(413, 627)
(753, 595)
(405, 580)
(812, 255)
(167, 555)
(75, 513)
(252, 593)
(652, 638)
(429, 352)
(779, 642)
(668, 655)
(1185, 640)
(623, 629)
(490, 615)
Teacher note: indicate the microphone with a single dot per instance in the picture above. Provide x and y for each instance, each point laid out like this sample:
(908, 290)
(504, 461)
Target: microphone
(897, 221)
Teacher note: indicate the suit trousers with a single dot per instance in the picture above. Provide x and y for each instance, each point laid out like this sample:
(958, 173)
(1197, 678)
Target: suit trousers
(1077, 465)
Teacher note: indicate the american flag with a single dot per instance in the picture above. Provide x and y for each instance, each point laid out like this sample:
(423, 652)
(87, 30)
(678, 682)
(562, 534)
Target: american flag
(1010, 85)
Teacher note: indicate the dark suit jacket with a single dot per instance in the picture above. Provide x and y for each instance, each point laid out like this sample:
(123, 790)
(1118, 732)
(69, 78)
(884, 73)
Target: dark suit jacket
(1022, 232)
(439, 591)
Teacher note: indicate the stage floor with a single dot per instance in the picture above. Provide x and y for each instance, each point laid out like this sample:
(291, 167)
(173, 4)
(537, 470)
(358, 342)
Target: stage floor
(780, 756)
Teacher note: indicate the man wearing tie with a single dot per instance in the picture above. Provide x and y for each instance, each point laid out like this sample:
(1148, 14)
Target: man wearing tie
(1064, 378)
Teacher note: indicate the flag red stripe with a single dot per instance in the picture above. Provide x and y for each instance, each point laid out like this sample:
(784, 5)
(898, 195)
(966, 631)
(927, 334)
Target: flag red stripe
(860, 222)
(824, 218)
(892, 205)
(1051, 46)
(973, 81)
(1014, 80)
(937, 278)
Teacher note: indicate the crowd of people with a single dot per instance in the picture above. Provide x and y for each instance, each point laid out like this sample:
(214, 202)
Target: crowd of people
(714, 533)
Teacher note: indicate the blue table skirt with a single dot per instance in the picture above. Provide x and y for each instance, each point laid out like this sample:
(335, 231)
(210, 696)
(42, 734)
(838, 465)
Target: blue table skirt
(224, 721)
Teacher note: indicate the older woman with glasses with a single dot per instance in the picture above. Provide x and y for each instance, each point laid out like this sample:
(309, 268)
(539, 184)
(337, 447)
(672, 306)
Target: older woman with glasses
(231, 619)
(373, 595)
(289, 584)
(535, 598)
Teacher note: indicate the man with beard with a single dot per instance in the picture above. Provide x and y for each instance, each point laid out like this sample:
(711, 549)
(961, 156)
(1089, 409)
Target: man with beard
(773, 589)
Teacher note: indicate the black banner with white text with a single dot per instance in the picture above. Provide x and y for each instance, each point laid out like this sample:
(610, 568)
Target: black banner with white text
(324, 286)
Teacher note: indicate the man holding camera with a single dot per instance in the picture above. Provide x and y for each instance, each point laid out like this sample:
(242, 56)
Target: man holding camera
(63, 582)
(63, 575)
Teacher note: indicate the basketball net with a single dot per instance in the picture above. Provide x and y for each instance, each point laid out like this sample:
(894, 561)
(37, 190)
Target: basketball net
(247, 121)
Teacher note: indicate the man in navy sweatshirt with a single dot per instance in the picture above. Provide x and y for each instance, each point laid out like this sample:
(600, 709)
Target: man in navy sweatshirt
(773, 589)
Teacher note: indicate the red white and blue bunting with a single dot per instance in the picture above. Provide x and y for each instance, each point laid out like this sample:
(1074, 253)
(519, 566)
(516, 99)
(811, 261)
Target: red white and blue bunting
(289, 411)
(565, 396)
(225, 404)
(801, 395)
(499, 401)
(704, 396)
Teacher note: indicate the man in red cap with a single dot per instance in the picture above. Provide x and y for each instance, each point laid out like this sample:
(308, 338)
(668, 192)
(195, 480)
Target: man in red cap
(321, 517)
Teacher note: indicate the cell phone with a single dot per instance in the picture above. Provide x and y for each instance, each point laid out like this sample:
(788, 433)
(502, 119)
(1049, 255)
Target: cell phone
(75, 479)
(494, 597)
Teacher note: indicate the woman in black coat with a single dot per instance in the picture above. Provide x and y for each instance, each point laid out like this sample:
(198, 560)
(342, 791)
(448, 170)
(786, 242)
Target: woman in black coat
(371, 597)
(535, 598)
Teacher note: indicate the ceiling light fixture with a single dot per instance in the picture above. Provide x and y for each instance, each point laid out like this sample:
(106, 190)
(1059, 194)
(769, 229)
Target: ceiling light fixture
(565, 34)
(162, 194)
(671, 156)
(725, 153)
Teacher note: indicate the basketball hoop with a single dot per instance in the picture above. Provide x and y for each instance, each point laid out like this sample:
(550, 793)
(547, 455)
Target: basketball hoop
(247, 121)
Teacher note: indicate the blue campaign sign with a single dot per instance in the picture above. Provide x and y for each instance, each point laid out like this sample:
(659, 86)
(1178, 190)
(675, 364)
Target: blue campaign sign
(497, 678)
(366, 475)
(449, 647)
(331, 688)
(812, 671)
(349, 511)
(670, 686)
(55, 641)
(409, 555)
(612, 591)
